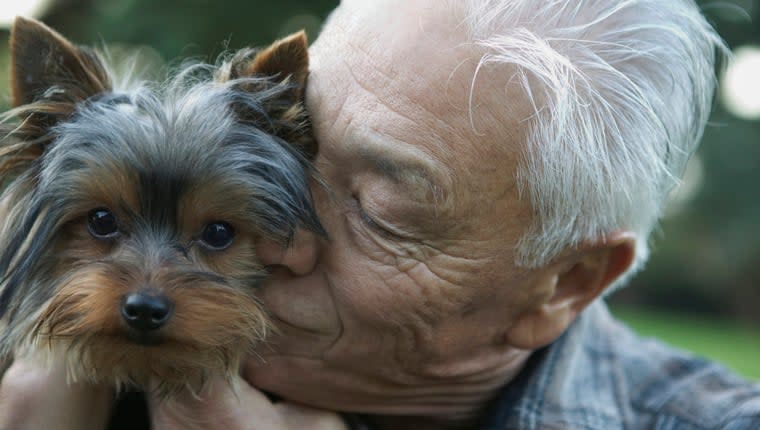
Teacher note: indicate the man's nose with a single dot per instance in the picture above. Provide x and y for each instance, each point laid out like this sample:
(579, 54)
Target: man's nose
(299, 256)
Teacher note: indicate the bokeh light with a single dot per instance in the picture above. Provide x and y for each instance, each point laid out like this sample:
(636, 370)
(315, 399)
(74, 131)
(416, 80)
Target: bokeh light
(740, 89)
(10, 9)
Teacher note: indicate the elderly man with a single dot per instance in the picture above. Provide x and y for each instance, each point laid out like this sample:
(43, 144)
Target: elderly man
(491, 168)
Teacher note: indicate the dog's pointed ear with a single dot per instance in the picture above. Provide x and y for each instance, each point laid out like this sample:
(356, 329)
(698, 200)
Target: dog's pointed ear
(284, 68)
(47, 67)
(285, 59)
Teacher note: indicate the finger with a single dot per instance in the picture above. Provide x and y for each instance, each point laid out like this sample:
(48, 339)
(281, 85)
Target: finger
(33, 397)
(237, 406)
(229, 405)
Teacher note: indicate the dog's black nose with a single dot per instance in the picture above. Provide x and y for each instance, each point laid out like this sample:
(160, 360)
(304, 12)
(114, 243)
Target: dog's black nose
(146, 312)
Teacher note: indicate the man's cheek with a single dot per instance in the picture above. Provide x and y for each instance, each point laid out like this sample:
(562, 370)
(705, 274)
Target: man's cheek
(303, 304)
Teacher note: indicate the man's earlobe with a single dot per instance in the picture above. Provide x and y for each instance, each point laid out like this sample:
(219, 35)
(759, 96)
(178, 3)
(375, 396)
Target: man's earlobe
(579, 279)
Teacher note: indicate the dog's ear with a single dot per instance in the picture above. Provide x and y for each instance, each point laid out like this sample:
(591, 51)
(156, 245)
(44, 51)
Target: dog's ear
(284, 61)
(283, 67)
(52, 73)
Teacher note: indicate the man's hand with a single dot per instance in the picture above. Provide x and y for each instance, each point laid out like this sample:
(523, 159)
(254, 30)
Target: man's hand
(220, 406)
(33, 398)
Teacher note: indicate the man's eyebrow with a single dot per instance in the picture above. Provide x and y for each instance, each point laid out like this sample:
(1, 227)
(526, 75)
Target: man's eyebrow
(418, 176)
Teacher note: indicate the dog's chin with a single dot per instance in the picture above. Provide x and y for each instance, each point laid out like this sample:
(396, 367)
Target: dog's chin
(146, 339)
(149, 362)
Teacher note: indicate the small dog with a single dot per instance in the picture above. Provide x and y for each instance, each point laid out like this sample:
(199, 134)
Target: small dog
(129, 218)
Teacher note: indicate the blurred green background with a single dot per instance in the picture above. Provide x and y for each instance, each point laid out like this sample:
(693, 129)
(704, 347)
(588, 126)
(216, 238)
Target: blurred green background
(701, 289)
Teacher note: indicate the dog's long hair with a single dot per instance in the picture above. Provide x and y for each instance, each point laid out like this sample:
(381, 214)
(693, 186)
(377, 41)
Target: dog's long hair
(218, 142)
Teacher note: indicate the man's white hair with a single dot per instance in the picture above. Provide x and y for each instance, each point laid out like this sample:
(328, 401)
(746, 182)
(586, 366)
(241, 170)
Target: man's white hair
(621, 92)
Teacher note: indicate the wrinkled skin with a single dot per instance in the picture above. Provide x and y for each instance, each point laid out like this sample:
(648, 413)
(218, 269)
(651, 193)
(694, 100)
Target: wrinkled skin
(411, 299)
(414, 305)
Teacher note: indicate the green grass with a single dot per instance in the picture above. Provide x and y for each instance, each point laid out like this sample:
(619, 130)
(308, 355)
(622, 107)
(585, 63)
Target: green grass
(736, 346)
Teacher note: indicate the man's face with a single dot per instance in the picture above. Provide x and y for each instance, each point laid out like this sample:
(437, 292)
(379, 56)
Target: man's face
(404, 307)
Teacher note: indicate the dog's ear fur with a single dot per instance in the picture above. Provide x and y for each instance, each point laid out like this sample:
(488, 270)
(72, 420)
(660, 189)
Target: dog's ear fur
(50, 75)
(285, 59)
(284, 68)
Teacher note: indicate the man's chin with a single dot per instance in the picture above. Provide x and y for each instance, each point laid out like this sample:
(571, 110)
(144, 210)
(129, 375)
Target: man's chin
(311, 382)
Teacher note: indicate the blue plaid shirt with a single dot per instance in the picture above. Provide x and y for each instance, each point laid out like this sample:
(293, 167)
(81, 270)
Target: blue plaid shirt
(601, 376)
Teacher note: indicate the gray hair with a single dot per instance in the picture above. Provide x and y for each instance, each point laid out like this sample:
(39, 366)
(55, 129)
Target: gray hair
(624, 90)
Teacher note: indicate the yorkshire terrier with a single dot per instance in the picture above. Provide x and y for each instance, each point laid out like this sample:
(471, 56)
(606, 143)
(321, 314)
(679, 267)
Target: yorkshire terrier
(129, 217)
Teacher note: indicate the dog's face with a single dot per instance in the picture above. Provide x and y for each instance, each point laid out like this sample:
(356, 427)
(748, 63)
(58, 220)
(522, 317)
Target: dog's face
(130, 230)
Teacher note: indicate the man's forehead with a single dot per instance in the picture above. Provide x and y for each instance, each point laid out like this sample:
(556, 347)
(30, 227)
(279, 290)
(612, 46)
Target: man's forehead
(418, 49)
(397, 30)
(425, 77)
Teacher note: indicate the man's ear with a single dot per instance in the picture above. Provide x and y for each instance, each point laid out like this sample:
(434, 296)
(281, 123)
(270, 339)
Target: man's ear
(51, 72)
(577, 281)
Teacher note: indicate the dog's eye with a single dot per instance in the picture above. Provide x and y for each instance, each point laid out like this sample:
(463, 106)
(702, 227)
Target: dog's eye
(102, 223)
(217, 235)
